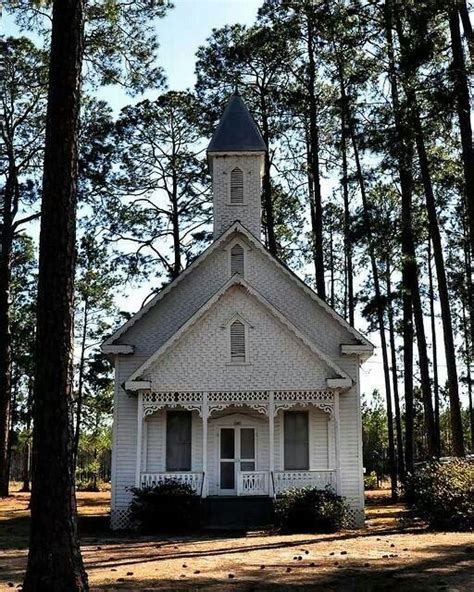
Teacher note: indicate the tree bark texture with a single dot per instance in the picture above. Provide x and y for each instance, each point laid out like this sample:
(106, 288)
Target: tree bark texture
(317, 216)
(378, 299)
(453, 387)
(266, 182)
(434, 348)
(396, 395)
(6, 244)
(463, 107)
(54, 560)
(410, 275)
(349, 268)
(435, 235)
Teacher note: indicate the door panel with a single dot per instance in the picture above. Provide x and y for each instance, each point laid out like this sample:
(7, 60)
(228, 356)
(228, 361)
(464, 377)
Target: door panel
(237, 453)
(227, 475)
(247, 443)
(228, 443)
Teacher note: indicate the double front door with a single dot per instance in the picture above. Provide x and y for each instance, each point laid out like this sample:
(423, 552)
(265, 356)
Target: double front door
(237, 453)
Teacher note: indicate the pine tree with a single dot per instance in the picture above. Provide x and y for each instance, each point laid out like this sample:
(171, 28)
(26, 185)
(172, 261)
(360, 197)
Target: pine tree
(54, 560)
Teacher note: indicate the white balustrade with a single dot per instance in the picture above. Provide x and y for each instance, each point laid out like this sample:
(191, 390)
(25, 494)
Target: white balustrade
(284, 480)
(192, 479)
(253, 483)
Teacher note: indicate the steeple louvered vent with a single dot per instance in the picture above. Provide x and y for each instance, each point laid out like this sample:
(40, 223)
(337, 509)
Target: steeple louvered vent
(237, 186)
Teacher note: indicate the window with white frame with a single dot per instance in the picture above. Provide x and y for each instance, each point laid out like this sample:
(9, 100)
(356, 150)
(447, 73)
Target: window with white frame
(237, 260)
(238, 350)
(237, 186)
(296, 440)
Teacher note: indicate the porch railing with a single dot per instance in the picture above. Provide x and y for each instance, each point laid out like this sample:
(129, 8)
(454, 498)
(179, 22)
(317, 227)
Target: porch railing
(195, 480)
(253, 483)
(284, 480)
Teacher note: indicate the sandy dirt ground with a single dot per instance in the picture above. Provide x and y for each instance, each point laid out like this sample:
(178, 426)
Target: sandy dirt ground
(385, 556)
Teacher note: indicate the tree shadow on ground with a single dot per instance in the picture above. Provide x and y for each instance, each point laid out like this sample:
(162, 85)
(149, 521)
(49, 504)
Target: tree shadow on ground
(133, 545)
(450, 569)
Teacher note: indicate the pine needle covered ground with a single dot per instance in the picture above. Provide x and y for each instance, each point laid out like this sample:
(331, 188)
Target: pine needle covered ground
(387, 555)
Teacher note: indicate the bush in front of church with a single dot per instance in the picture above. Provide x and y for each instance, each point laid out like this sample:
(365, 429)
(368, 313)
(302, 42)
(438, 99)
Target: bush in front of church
(311, 510)
(171, 506)
(442, 494)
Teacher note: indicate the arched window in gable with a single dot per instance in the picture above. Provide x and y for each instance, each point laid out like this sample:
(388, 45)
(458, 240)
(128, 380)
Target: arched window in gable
(237, 186)
(238, 350)
(237, 260)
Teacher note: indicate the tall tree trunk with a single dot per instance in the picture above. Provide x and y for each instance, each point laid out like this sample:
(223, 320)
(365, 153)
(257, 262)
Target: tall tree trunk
(435, 235)
(450, 351)
(377, 292)
(468, 343)
(317, 219)
(347, 219)
(312, 210)
(410, 274)
(396, 396)
(175, 229)
(434, 348)
(54, 560)
(80, 380)
(468, 374)
(408, 336)
(463, 107)
(27, 452)
(266, 181)
(6, 245)
(453, 389)
(467, 26)
(331, 275)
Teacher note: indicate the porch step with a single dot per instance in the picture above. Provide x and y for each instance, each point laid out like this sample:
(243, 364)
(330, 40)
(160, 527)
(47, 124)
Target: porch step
(237, 512)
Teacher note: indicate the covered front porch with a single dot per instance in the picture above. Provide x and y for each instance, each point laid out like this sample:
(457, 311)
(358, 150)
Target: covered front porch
(239, 443)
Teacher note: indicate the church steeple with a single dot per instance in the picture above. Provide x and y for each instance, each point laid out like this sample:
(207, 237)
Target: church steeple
(236, 155)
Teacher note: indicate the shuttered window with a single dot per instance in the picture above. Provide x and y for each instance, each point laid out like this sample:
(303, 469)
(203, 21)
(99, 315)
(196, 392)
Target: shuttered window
(237, 342)
(178, 440)
(296, 440)
(237, 260)
(236, 186)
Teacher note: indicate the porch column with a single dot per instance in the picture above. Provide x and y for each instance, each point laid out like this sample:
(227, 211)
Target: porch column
(205, 417)
(138, 462)
(337, 443)
(271, 435)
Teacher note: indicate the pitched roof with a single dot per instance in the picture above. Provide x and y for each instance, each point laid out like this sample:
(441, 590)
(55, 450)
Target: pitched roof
(236, 227)
(237, 130)
(237, 280)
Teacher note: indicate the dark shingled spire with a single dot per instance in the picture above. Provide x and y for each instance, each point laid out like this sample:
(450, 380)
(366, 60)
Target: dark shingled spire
(237, 131)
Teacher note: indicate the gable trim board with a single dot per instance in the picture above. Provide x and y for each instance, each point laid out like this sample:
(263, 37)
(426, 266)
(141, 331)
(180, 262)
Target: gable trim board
(236, 281)
(239, 228)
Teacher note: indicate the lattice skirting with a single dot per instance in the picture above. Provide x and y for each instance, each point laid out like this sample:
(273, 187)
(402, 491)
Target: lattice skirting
(356, 517)
(120, 519)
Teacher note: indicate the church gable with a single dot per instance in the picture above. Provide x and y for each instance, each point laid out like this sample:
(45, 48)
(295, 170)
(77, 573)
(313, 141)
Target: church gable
(237, 251)
(209, 355)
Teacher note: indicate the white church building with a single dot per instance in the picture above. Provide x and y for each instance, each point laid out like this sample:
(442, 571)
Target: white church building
(236, 377)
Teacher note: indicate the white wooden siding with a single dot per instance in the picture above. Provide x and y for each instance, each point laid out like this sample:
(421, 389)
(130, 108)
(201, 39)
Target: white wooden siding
(125, 434)
(274, 369)
(277, 359)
